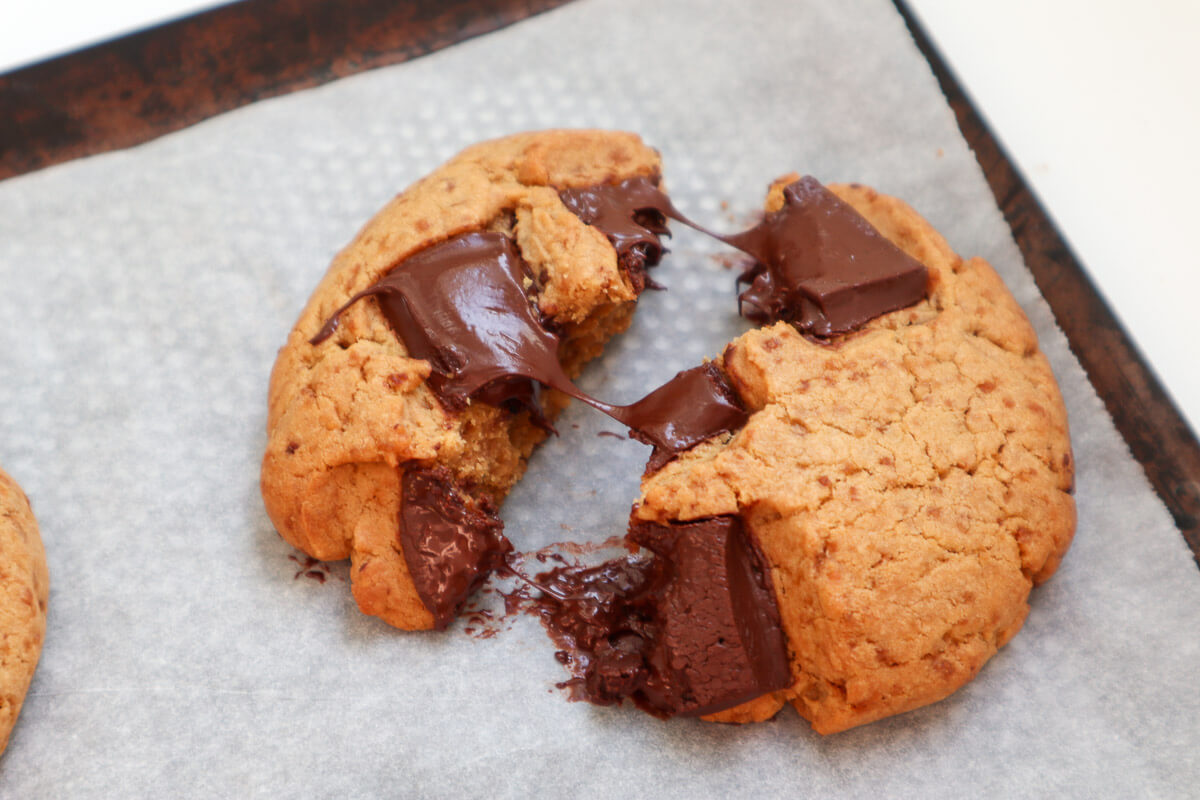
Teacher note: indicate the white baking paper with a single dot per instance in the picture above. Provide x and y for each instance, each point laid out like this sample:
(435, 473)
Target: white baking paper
(143, 295)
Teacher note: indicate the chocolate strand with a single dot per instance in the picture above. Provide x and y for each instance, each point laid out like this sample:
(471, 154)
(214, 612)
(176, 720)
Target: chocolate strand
(819, 264)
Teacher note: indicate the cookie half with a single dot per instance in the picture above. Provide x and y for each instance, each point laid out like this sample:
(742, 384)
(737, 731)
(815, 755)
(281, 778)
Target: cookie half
(24, 591)
(908, 484)
(352, 411)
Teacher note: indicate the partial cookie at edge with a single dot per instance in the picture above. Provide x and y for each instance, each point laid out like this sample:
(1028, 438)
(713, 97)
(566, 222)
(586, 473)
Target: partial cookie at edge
(24, 592)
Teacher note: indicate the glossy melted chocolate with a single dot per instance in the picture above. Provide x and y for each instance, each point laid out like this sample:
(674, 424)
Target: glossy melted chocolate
(633, 215)
(822, 267)
(695, 405)
(450, 544)
(692, 630)
(461, 306)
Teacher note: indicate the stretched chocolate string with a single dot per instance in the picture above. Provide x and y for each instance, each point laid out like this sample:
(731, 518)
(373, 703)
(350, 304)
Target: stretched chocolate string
(819, 264)
(461, 305)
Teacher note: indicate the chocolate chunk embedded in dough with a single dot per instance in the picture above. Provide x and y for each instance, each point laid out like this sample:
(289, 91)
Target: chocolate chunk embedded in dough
(822, 267)
(633, 215)
(695, 405)
(450, 543)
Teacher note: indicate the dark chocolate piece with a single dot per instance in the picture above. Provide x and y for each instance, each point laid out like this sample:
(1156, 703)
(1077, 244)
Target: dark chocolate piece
(451, 544)
(691, 631)
(633, 215)
(822, 267)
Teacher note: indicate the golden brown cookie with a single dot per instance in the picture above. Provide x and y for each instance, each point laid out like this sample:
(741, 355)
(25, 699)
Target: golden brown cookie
(24, 590)
(348, 415)
(870, 523)
(908, 483)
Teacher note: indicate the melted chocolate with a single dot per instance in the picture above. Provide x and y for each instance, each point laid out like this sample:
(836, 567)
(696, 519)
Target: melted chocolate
(450, 544)
(822, 267)
(633, 215)
(692, 630)
(461, 306)
(695, 405)
(819, 264)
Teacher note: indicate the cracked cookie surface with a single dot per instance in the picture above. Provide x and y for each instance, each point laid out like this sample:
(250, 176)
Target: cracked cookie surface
(909, 484)
(24, 591)
(345, 415)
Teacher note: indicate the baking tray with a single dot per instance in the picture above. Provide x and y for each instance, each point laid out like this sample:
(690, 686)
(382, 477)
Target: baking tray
(177, 74)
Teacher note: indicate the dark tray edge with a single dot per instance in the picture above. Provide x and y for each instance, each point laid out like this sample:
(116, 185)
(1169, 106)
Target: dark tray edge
(134, 88)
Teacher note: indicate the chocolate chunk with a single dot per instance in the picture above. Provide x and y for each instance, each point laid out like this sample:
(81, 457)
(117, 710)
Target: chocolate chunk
(450, 543)
(691, 631)
(720, 640)
(633, 215)
(822, 267)
(695, 405)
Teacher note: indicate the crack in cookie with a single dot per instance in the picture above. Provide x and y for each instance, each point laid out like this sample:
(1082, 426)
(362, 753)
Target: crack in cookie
(346, 414)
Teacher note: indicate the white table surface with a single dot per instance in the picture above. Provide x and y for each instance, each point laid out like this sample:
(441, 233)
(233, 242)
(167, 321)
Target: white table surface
(1095, 100)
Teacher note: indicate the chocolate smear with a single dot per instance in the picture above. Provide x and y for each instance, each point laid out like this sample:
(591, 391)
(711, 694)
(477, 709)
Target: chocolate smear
(691, 630)
(822, 267)
(450, 542)
(633, 215)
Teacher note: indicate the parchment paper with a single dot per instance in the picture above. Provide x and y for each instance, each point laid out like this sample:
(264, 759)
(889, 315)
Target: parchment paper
(144, 295)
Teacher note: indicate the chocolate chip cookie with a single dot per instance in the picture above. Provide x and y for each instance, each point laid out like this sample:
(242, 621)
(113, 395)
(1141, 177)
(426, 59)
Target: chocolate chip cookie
(847, 510)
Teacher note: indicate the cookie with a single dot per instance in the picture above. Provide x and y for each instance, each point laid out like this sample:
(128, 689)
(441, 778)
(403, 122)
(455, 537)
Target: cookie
(847, 510)
(908, 483)
(385, 389)
(24, 590)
